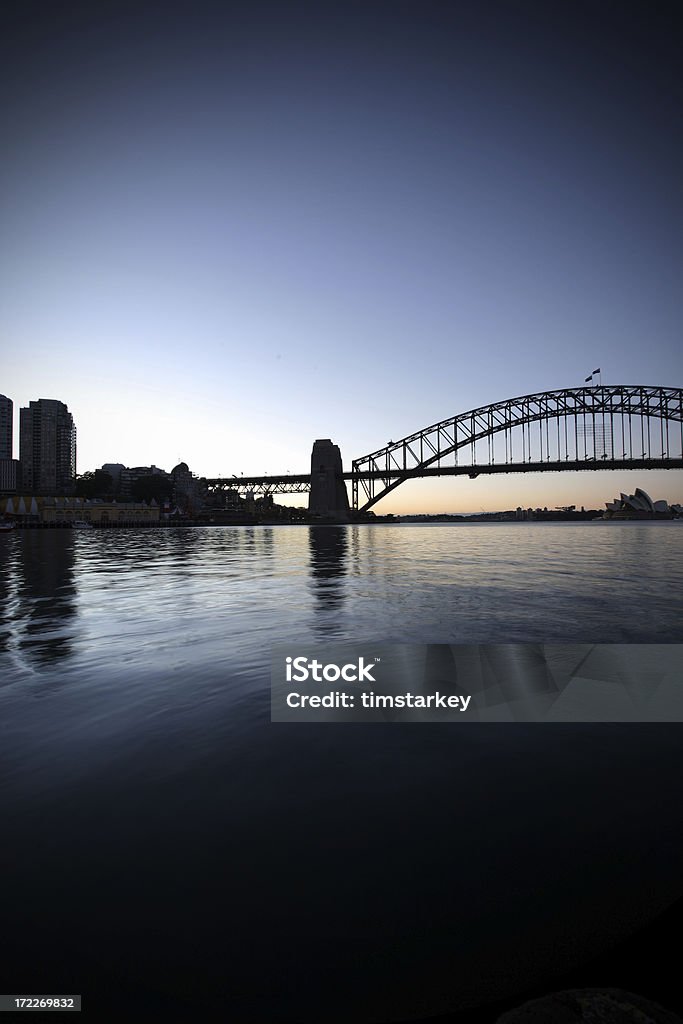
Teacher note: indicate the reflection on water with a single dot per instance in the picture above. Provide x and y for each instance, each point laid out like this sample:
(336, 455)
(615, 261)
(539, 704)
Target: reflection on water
(197, 595)
(38, 591)
(328, 568)
(163, 837)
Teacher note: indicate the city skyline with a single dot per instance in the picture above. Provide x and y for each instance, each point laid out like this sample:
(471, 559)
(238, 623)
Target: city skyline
(58, 447)
(230, 233)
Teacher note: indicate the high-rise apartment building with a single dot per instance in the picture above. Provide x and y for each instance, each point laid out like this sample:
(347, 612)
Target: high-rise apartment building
(6, 414)
(47, 447)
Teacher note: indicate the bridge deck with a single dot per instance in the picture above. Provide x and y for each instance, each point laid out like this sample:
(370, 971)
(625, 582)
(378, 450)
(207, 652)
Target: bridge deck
(301, 482)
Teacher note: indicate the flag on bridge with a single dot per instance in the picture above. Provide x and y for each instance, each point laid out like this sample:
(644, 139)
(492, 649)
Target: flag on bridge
(597, 371)
(589, 378)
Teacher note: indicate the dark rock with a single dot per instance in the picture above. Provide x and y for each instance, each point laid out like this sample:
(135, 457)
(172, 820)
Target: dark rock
(590, 1006)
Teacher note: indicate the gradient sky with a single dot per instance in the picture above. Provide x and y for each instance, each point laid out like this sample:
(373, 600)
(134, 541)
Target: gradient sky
(229, 229)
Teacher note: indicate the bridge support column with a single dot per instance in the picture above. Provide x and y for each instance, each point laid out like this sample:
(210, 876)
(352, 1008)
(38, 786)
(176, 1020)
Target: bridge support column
(328, 495)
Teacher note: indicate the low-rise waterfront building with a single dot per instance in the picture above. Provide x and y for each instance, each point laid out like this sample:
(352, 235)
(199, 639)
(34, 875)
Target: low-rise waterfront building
(98, 513)
(56, 511)
(20, 507)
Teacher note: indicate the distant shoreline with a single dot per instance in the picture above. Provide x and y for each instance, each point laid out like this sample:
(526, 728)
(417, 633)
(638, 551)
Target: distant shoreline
(393, 521)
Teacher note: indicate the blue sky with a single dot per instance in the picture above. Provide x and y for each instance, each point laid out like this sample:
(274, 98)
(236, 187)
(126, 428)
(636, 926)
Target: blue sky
(230, 230)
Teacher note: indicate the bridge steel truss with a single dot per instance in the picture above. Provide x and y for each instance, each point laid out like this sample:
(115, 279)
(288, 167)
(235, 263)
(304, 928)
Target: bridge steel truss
(603, 427)
(260, 486)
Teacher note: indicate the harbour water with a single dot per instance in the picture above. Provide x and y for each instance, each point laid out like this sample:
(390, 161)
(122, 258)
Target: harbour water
(167, 846)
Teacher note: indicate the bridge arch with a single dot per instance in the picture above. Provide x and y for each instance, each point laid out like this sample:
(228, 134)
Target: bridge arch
(579, 428)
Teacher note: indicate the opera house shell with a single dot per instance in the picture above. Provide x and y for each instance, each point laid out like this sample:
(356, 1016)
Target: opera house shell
(640, 506)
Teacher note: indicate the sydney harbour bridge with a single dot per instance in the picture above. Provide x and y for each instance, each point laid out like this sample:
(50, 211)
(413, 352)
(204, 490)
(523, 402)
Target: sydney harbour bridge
(574, 429)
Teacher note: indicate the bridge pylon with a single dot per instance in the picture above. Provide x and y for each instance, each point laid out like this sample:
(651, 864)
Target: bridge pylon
(328, 496)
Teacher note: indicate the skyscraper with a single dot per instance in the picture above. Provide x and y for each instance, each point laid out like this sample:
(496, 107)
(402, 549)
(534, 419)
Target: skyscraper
(47, 447)
(6, 413)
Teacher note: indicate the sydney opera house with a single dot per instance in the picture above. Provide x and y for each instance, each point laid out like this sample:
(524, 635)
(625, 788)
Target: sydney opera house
(641, 506)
